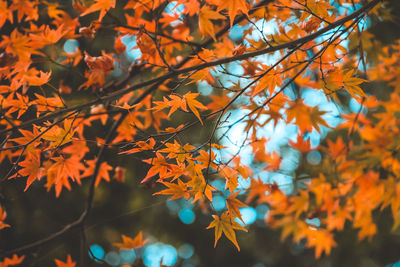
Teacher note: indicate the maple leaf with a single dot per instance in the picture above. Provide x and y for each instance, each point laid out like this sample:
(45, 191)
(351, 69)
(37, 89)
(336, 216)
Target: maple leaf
(53, 10)
(319, 9)
(32, 168)
(322, 240)
(206, 159)
(206, 27)
(339, 79)
(274, 115)
(59, 136)
(68, 263)
(18, 44)
(78, 148)
(33, 77)
(172, 129)
(175, 150)
(218, 102)
(351, 84)
(231, 177)
(273, 160)
(100, 5)
(194, 104)
(257, 189)
(160, 167)
(141, 146)
(176, 190)
(3, 215)
(268, 82)
(98, 68)
(306, 117)
(233, 7)
(299, 203)
(338, 219)
(61, 170)
(74, 58)
(200, 189)
(103, 171)
(233, 206)
(337, 149)
(298, 229)
(46, 36)
(27, 138)
(103, 63)
(119, 46)
(15, 260)
(21, 104)
(174, 103)
(131, 243)
(200, 75)
(301, 144)
(29, 9)
(224, 224)
(5, 13)
(44, 104)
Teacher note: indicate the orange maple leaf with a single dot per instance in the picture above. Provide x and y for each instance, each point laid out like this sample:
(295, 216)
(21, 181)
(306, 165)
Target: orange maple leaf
(119, 45)
(141, 146)
(103, 171)
(233, 7)
(15, 260)
(45, 36)
(257, 189)
(72, 58)
(178, 151)
(338, 79)
(174, 103)
(26, 138)
(268, 82)
(337, 149)
(5, 14)
(68, 263)
(176, 190)
(301, 144)
(233, 205)
(31, 168)
(194, 104)
(200, 189)
(131, 243)
(306, 117)
(218, 102)
(225, 224)
(160, 167)
(59, 135)
(231, 177)
(3, 215)
(59, 172)
(321, 239)
(100, 5)
(206, 27)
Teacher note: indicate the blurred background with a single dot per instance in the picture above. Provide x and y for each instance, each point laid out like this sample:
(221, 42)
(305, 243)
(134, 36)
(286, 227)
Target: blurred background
(176, 230)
